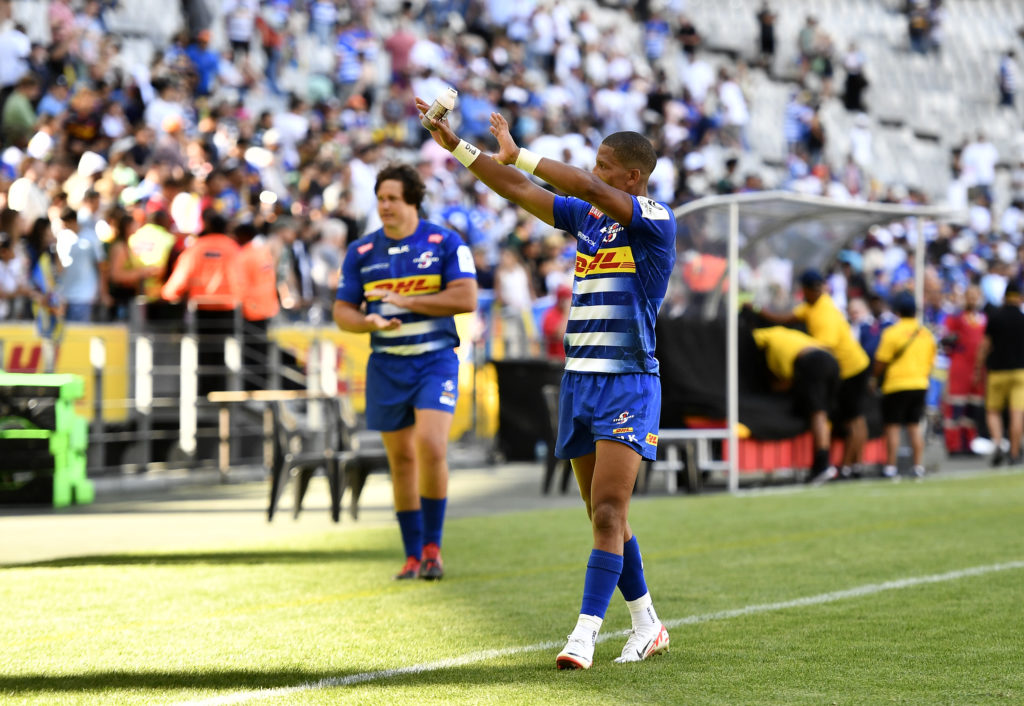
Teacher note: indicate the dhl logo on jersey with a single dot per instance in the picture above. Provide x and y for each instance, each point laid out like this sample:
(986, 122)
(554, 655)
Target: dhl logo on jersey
(408, 286)
(608, 260)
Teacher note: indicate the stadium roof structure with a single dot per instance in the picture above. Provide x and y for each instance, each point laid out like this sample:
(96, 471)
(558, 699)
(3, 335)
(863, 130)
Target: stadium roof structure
(807, 230)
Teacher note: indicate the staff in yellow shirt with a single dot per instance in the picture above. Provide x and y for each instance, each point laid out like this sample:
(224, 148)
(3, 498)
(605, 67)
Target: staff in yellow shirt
(827, 325)
(811, 373)
(906, 354)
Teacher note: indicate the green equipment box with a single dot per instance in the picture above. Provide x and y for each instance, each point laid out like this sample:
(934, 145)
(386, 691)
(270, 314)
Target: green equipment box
(43, 442)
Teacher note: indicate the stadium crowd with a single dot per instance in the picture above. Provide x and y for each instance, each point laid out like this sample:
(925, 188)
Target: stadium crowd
(277, 118)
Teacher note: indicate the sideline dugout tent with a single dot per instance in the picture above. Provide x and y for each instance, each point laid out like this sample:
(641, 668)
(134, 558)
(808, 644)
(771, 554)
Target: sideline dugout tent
(767, 238)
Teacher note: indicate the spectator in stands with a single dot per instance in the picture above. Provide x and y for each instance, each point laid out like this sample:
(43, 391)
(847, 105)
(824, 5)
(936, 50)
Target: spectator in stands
(656, 32)
(1002, 354)
(514, 295)
(18, 119)
(817, 139)
(44, 272)
(965, 395)
(688, 36)
(55, 100)
(881, 319)
(240, 18)
(356, 50)
(1009, 79)
(805, 40)
(294, 270)
(802, 366)
(766, 19)
(734, 112)
(554, 323)
(904, 361)
(978, 160)
(15, 49)
(797, 119)
(827, 325)
(126, 273)
(205, 61)
(272, 39)
(150, 246)
(919, 26)
(84, 280)
(323, 14)
(13, 279)
(856, 82)
(822, 63)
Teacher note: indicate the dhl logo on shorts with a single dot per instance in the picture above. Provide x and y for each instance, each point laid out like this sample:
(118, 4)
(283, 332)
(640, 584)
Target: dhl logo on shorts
(608, 260)
(652, 439)
(409, 286)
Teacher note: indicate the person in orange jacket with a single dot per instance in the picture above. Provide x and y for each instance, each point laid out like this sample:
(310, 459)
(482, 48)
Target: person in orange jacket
(206, 274)
(257, 270)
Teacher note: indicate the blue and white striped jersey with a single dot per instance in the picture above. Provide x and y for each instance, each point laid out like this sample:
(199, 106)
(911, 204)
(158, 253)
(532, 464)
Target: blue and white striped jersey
(423, 263)
(622, 274)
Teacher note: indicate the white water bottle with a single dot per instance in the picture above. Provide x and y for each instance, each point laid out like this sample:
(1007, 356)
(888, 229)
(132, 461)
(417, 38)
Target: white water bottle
(439, 108)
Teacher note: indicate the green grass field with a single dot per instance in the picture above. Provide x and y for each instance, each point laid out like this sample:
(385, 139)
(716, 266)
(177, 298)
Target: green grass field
(321, 622)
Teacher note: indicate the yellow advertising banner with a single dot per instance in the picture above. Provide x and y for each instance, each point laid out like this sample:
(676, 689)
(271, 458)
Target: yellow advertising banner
(23, 353)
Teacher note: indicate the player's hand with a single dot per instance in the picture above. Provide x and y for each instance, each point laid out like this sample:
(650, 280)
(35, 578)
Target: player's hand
(379, 323)
(388, 297)
(443, 134)
(508, 150)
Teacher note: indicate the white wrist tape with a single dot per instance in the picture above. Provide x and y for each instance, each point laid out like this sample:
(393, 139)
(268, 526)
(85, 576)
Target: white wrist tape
(527, 160)
(465, 153)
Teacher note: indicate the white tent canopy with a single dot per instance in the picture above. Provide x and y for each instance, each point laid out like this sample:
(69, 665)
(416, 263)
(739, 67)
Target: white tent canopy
(805, 230)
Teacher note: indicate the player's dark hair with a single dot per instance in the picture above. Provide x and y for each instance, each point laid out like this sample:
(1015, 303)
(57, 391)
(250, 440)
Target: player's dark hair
(633, 150)
(413, 188)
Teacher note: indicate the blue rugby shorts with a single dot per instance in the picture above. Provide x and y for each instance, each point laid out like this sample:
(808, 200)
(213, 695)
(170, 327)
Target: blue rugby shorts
(396, 385)
(622, 407)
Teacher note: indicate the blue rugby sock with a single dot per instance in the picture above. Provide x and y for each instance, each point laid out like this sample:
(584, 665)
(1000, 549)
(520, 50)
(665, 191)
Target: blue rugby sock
(603, 571)
(433, 519)
(411, 524)
(631, 582)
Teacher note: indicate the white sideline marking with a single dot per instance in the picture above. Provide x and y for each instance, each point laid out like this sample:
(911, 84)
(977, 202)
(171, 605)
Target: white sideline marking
(475, 657)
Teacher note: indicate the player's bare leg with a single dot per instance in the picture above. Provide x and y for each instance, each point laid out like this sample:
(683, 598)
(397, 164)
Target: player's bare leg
(606, 479)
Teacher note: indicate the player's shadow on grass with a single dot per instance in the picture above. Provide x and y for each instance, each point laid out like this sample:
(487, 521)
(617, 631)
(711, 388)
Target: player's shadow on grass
(539, 674)
(111, 681)
(235, 557)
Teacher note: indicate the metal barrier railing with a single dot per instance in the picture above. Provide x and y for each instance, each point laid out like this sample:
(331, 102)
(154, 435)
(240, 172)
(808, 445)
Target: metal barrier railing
(156, 416)
(170, 421)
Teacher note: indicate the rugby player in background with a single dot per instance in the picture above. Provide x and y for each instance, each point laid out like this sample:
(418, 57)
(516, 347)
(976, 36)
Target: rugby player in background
(413, 277)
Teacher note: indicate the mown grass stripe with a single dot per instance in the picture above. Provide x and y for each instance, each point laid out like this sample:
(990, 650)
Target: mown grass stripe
(483, 656)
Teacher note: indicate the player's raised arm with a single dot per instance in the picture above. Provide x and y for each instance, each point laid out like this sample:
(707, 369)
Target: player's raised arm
(612, 197)
(507, 182)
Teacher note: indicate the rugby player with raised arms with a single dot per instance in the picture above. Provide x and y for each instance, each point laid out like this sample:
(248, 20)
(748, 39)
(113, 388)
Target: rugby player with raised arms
(610, 399)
